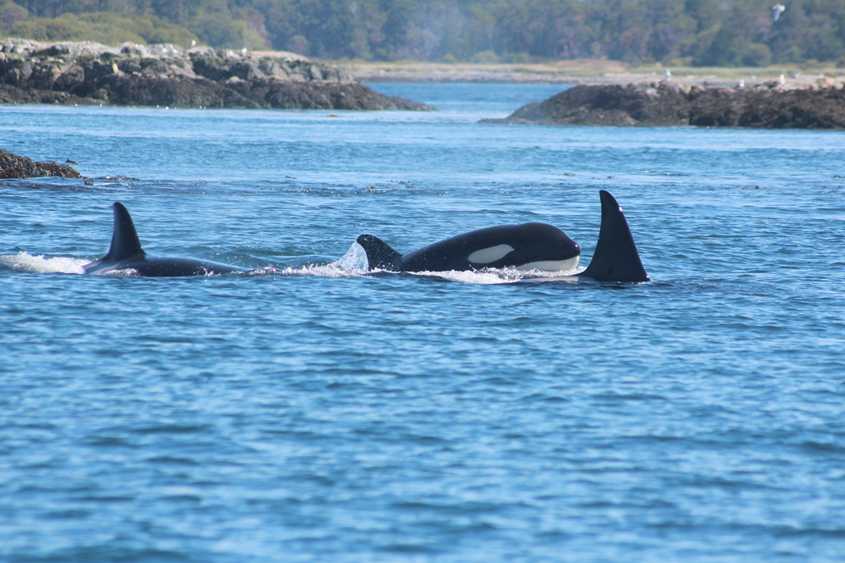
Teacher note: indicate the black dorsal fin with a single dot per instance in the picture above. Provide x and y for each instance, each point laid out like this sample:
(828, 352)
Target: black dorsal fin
(380, 256)
(616, 257)
(124, 238)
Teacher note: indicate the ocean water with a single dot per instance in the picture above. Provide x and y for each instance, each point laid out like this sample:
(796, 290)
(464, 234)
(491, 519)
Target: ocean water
(308, 411)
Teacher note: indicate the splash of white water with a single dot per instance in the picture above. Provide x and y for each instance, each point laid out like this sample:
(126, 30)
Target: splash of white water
(27, 262)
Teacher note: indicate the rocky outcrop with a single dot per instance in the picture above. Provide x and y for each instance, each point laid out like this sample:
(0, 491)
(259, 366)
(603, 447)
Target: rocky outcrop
(14, 166)
(765, 106)
(165, 75)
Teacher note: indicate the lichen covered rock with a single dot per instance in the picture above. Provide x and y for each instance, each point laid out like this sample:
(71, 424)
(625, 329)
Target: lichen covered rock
(14, 166)
(166, 75)
(765, 106)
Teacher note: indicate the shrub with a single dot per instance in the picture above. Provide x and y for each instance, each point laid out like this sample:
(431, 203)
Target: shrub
(103, 27)
(11, 14)
(756, 54)
(485, 57)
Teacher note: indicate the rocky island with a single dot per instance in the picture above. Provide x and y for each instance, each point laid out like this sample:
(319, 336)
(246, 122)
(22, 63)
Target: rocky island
(14, 166)
(167, 75)
(765, 106)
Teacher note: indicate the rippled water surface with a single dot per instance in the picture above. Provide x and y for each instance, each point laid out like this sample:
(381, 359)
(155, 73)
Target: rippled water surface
(308, 411)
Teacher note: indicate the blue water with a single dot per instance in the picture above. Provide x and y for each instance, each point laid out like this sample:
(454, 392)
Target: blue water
(310, 412)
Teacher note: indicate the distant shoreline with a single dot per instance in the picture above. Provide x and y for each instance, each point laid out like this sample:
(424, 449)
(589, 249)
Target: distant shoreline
(586, 72)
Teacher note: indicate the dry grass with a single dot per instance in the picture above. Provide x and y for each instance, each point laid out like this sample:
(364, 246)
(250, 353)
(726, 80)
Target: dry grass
(583, 72)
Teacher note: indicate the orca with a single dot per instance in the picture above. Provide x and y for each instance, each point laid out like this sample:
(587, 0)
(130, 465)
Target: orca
(125, 253)
(526, 247)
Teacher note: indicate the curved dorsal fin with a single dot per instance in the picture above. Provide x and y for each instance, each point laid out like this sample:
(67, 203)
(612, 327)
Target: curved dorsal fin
(380, 255)
(124, 238)
(616, 257)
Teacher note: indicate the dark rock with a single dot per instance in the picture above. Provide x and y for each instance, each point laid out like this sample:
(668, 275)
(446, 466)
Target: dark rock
(809, 108)
(609, 105)
(15, 95)
(668, 104)
(53, 51)
(71, 76)
(14, 166)
(165, 75)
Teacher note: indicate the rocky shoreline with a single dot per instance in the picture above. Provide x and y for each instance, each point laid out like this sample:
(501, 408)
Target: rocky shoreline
(166, 75)
(765, 106)
(14, 166)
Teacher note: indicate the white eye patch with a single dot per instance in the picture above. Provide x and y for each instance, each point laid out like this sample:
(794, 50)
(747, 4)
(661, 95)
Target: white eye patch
(490, 254)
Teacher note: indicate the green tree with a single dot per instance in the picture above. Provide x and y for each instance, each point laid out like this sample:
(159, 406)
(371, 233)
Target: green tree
(713, 32)
(11, 14)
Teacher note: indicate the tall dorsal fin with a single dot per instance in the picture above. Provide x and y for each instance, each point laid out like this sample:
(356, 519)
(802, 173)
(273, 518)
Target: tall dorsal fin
(124, 238)
(616, 257)
(380, 256)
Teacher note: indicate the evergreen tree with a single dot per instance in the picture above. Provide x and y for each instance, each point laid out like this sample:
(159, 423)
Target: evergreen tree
(707, 32)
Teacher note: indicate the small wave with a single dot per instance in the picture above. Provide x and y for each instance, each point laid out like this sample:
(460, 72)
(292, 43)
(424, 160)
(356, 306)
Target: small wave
(115, 179)
(172, 428)
(26, 262)
(488, 277)
(121, 273)
(355, 259)
(317, 270)
(503, 276)
(352, 263)
(49, 183)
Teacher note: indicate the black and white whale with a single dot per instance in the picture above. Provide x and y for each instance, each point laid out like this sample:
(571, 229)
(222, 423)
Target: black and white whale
(526, 247)
(126, 254)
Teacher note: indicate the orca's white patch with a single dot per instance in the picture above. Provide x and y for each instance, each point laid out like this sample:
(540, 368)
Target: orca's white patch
(490, 254)
(551, 265)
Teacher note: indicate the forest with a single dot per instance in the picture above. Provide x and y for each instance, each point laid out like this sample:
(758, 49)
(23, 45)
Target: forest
(689, 32)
